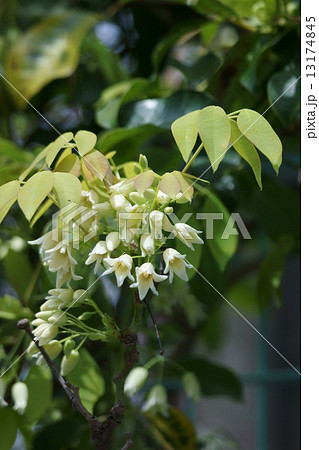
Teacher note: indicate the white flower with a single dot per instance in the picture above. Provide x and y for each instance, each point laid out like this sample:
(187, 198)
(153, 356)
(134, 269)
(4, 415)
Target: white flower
(57, 298)
(147, 245)
(97, 254)
(112, 241)
(122, 267)
(53, 349)
(187, 234)
(46, 241)
(162, 198)
(19, 393)
(135, 380)
(175, 263)
(146, 276)
(159, 222)
(45, 333)
(157, 401)
(118, 202)
(89, 198)
(191, 386)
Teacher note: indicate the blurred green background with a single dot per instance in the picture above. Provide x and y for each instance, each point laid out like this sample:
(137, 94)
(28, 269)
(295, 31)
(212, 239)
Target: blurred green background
(126, 70)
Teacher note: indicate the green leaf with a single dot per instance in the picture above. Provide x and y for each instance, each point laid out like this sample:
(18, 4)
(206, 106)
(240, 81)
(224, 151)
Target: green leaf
(40, 387)
(43, 208)
(47, 51)
(12, 309)
(32, 194)
(214, 379)
(162, 112)
(36, 160)
(174, 431)
(8, 428)
(214, 131)
(222, 249)
(85, 141)
(259, 131)
(55, 147)
(67, 188)
(246, 150)
(19, 260)
(12, 152)
(285, 84)
(8, 195)
(143, 181)
(87, 376)
(185, 133)
(170, 185)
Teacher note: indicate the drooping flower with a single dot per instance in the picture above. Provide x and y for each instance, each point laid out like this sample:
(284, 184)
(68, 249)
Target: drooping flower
(191, 386)
(157, 401)
(135, 380)
(146, 276)
(147, 245)
(187, 234)
(19, 393)
(158, 222)
(121, 266)
(103, 249)
(175, 263)
(45, 333)
(57, 299)
(69, 362)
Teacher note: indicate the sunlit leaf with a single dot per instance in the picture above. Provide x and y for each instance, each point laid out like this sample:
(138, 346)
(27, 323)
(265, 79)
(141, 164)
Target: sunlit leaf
(32, 194)
(43, 208)
(185, 132)
(186, 187)
(34, 163)
(143, 181)
(259, 131)
(12, 152)
(99, 166)
(8, 195)
(170, 185)
(214, 131)
(67, 188)
(69, 164)
(55, 147)
(246, 150)
(47, 51)
(85, 141)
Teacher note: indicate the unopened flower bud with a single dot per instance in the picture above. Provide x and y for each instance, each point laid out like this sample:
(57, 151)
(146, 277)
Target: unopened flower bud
(149, 194)
(68, 363)
(32, 349)
(53, 349)
(118, 202)
(68, 347)
(112, 241)
(103, 208)
(44, 315)
(135, 380)
(137, 198)
(143, 162)
(58, 318)
(45, 333)
(80, 294)
(136, 168)
(168, 210)
(191, 386)
(19, 394)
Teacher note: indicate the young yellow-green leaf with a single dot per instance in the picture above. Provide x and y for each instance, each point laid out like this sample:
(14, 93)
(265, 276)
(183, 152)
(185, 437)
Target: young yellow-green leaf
(246, 150)
(32, 194)
(40, 386)
(185, 133)
(170, 185)
(186, 188)
(43, 208)
(8, 195)
(69, 164)
(143, 181)
(55, 147)
(67, 188)
(85, 141)
(259, 131)
(36, 160)
(214, 131)
(99, 166)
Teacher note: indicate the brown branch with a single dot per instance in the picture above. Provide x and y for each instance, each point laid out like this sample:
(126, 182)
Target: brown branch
(129, 443)
(100, 430)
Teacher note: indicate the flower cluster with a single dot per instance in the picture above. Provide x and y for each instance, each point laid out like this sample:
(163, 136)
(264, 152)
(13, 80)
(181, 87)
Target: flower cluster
(130, 227)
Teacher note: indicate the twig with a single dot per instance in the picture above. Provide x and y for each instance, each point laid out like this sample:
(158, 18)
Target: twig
(155, 326)
(129, 443)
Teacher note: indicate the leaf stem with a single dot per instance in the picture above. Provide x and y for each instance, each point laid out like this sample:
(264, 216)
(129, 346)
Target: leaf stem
(193, 158)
